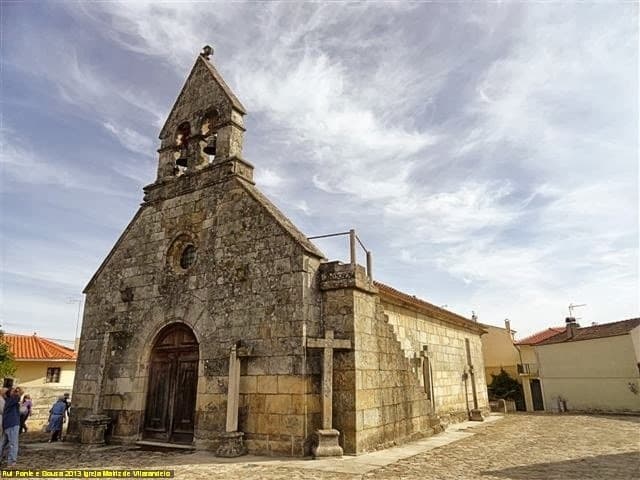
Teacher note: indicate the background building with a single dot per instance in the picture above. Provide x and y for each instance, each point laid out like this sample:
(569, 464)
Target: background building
(528, 368)
(499, 352)
(594, 368)
(44, 369)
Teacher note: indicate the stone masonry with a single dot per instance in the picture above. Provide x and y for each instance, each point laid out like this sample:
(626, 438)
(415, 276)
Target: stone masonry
(208, 251)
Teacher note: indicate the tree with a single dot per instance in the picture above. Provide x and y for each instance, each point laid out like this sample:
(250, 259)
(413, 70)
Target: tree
(504, 386)
(7, 365)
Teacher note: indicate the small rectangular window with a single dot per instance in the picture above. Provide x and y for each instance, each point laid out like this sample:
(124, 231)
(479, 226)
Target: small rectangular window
(53, 375)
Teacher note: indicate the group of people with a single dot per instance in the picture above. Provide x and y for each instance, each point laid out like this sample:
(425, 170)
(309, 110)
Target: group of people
(16, 408)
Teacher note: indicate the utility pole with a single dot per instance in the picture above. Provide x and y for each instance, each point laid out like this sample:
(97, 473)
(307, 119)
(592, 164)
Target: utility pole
(79, 302)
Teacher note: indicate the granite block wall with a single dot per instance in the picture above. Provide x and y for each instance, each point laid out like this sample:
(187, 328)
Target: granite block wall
(252, 282)
(446, 349)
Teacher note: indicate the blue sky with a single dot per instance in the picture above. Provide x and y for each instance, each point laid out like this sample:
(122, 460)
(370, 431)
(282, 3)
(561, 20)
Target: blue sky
(486, 153)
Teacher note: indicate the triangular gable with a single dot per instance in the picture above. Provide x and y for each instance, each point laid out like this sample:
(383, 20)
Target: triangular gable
(201, 62)
(281, 218)
(113, 250)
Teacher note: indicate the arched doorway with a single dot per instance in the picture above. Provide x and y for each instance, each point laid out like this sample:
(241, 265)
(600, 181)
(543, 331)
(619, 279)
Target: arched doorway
(173, 383)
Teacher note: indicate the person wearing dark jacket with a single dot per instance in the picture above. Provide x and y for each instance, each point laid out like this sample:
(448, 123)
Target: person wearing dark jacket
(11, 425)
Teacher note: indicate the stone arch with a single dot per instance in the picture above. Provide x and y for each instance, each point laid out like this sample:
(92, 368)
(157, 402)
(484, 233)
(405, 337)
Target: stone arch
(172, 385)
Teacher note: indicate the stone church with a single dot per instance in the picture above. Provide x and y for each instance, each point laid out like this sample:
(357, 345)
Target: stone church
(215, 323)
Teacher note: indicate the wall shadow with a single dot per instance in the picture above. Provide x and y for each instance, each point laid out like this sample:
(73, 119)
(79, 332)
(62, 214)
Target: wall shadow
(619, 466)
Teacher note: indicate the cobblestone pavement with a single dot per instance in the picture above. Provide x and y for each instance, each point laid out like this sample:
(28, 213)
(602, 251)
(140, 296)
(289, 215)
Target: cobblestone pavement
(517, 447)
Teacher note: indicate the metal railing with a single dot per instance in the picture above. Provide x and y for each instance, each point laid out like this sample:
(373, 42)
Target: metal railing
(353, 240)
(528, 368)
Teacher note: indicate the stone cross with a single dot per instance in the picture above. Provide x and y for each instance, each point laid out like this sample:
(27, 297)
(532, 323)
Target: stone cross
(96, 406)
(94, 426)
(476, 414)
(231, 442)
(426, 372)
(328, 344)
(233, 393)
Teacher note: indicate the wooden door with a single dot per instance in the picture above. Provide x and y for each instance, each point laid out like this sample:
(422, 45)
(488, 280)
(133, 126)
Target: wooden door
(536, 394)
(173, 383)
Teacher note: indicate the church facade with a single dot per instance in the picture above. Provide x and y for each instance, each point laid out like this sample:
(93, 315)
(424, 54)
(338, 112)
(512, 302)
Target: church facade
(214, 322)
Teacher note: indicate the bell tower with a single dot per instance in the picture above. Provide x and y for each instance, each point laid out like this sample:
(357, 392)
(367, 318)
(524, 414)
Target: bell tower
(204, 129)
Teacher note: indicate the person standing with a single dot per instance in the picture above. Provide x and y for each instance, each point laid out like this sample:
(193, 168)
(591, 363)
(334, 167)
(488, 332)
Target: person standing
(3, 394)
(25, 412)
(56, 418)
(11, 425)
(67, 412)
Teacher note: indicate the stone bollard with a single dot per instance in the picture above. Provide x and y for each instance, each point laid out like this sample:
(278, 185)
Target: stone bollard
(93, 429)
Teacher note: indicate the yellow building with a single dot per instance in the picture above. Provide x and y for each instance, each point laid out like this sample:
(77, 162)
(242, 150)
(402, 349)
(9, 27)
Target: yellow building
(44, 370)
(498, 351)
(594, 368)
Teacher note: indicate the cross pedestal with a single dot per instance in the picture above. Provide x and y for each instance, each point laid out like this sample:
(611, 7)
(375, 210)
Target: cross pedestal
(327, 437)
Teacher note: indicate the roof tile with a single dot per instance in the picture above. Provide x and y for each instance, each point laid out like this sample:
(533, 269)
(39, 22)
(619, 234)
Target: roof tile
(540, 336)
(32, 347)
(602, 330)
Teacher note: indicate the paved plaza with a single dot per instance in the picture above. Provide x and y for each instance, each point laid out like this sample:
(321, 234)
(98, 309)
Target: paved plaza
(521, 446)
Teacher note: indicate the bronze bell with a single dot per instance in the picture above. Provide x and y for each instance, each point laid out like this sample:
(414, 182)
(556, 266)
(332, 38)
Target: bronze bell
(182, 161)
(210, 148)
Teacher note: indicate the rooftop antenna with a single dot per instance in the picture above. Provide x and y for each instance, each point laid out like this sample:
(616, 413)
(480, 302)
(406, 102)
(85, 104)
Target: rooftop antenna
(572, 307)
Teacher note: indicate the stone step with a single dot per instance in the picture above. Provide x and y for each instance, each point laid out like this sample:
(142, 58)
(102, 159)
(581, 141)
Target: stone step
(156, 445)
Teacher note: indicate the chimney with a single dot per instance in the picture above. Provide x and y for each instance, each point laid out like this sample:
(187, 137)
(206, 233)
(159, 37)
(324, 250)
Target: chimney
(572, 327)
(507, 325)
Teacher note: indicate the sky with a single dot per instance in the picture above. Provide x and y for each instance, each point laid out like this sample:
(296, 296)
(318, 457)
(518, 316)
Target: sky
(486, 153)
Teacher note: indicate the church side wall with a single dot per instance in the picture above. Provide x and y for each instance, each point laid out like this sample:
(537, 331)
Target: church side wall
(251, 283)
(391, 405)
(377, 397)
(446, 349)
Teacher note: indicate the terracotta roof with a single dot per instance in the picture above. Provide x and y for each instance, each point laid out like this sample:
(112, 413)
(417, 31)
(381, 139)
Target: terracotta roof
(597, 331)
(32, 347)
(540, 336)
(430, 309)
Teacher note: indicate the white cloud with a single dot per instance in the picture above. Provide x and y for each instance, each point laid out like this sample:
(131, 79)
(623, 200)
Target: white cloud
(20, 165)
(268, 178)
(130, 139)
(493, 147)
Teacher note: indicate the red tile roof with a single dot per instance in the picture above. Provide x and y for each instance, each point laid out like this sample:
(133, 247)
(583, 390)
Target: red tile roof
(428, 308)
(540, 336)
(597, 331)
(32, 347)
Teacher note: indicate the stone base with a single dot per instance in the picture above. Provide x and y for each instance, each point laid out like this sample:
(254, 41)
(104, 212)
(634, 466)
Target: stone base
(476, 416)
(327, 444)
(93, 429)
(231, 444)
